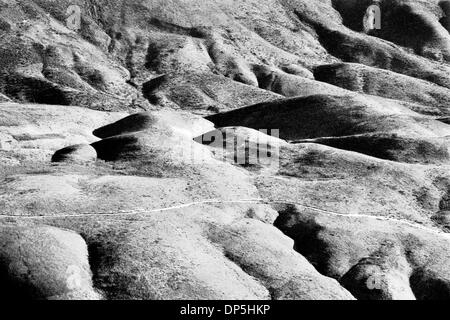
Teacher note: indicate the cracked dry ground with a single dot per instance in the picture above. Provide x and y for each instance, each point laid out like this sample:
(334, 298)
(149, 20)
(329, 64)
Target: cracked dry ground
(100, 198)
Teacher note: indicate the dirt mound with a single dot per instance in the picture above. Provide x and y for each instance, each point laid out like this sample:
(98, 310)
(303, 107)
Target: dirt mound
(413, 24)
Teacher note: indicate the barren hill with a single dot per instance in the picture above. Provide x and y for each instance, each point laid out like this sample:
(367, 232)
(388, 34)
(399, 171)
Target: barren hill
(120, 122)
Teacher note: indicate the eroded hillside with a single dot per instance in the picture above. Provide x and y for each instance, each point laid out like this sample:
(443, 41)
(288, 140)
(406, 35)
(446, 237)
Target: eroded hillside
(113, 188)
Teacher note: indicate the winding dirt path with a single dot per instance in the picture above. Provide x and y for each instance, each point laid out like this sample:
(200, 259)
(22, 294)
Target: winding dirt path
(241, 201)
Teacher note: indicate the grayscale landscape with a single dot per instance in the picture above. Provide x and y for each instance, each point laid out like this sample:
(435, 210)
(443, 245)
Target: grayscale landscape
(224, 150)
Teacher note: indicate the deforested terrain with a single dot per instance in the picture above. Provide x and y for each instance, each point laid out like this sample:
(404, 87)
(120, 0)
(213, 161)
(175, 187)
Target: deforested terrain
(115, 184)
